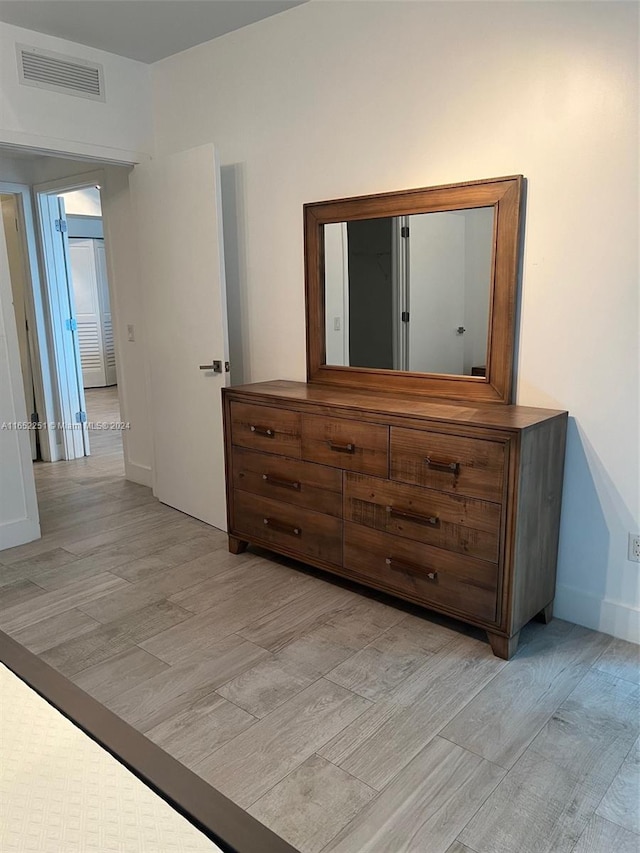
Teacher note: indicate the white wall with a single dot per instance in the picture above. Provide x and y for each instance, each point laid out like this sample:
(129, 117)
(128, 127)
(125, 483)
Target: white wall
(338, 99)
(85, 202)
(119, 129)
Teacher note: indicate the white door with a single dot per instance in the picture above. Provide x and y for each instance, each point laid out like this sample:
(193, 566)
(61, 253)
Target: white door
(19, 284)
(88, 313)
(178, 211)
(57, 263)
(436, 255)
(18, 505)
(93, 311)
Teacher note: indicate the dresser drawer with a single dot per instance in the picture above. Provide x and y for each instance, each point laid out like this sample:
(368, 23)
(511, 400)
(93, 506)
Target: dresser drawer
(455, 522)
(266, 428)
(451, 463)
(432, 576)
(291, 528)
(304, 484)
(343, 443)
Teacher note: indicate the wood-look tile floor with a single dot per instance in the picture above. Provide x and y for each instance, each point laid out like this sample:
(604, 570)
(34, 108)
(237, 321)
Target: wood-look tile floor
(344, 723)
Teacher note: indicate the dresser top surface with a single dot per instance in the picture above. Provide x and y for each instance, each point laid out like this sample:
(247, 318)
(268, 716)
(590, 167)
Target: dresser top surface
(403, 405)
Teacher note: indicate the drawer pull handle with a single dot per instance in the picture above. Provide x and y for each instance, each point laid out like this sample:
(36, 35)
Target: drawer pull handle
(281, 527)
(262, 430)
(410, 569)
(431, 520)
(447, 467)
(342, 448)
(284, 484)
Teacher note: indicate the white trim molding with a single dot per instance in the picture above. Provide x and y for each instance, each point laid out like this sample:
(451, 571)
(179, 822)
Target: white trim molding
(141, 474)
(611, 617)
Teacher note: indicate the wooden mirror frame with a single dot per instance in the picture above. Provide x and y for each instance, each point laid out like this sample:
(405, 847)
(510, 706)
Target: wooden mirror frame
(505, 195)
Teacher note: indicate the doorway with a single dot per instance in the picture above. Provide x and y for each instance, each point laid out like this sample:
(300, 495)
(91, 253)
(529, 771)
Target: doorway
(80, 316)
(64, 328)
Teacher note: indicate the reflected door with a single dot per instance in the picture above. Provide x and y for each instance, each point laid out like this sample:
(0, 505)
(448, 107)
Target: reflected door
(436, 280)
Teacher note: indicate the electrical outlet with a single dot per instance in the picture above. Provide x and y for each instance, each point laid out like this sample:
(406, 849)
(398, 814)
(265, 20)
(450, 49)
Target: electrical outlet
(634, 547)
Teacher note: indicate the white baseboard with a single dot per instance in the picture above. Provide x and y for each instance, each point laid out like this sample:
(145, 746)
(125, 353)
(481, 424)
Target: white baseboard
(18, 533)
(610, 617)
(141, 474)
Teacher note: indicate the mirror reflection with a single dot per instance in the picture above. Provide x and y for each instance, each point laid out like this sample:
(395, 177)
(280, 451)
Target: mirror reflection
(410, 292)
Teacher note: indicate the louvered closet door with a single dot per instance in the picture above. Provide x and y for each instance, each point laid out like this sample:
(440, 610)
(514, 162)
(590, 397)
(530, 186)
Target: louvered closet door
(88, 312)
(105, 310)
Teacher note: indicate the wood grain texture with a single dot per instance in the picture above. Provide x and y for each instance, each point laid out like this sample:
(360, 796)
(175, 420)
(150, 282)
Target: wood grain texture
(596, 724)
(58, 601)
(197, 731)
(346, 444)
(175, 689)
(243, 575)
(265, 687)
(433, 517)
(621, 803)
(538, 808)
(311, 804)
(425, 806)
(383, 740)
(401, 409)
(622, 660)
(248, 766)
(266, 428)
(504, 195)
(316, 487)
(119, 673)
(457, 847)
(537, 524)
(384, 664)
(296, 618)
(56, 629)
(504, 718)
(445, 580)
(601, 836)
(17, 592)
(162, 583)
(278, 524)
(114, 637)
(480, 471)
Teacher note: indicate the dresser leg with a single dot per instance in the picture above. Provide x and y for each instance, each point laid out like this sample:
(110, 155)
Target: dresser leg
(546, 614)
(503, 647)
(237, 546)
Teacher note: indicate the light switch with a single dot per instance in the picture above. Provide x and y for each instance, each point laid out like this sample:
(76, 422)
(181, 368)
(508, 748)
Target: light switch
(131, 333)
(336, 324)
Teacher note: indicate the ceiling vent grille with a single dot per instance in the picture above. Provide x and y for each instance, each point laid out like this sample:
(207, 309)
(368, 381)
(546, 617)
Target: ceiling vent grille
(59, 73)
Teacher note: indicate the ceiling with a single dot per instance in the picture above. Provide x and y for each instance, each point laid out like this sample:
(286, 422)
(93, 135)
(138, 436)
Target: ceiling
(146, 30)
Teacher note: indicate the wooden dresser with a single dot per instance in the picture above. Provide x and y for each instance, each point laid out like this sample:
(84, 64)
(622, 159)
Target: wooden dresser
(452, 506)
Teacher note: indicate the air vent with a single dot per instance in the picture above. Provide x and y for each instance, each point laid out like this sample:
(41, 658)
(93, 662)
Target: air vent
(48, 70)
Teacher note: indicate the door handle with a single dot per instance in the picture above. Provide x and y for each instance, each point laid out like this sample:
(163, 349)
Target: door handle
(216, 366)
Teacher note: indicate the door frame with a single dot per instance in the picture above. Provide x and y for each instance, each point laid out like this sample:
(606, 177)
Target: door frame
(36, 315)
(58, 378)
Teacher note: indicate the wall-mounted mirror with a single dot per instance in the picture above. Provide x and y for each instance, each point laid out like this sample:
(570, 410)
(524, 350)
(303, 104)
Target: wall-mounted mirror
(415, 290)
